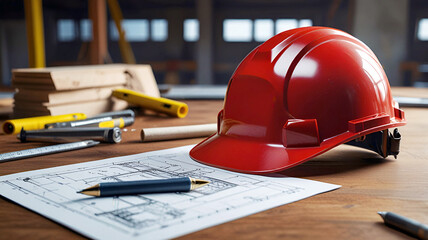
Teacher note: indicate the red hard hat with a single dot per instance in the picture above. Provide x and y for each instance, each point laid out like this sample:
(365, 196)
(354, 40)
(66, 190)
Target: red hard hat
(299, 94)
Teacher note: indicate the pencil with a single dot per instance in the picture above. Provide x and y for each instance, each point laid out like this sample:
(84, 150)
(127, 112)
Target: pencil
(406, 225)
(184, 184)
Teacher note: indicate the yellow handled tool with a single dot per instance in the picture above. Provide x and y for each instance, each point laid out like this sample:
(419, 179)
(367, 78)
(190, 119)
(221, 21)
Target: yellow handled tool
(14, 126)
(117, 122)
(163, 105)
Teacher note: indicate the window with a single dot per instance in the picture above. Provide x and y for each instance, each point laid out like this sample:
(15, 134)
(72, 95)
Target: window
(305, 23)
(285, 24)
(136, 30)
(263, 29)
(86, 30)
(66, 30)
(237, 30)
(422, 29)
(191, 30)
(241, 30)
(159, 30)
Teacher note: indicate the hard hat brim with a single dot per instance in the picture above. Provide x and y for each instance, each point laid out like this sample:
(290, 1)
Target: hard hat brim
(248, 156)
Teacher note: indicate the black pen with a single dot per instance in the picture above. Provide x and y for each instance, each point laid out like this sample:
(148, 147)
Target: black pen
(407, 225)
(184, 184)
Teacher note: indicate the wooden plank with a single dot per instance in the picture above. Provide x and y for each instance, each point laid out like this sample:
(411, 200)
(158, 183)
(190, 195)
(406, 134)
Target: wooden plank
(63, 97)
(139, 77)
(90, 108)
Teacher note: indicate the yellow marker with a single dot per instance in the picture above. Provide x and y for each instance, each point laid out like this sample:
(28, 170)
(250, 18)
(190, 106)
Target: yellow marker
(117, 122)
(15, 125)
(163, 105)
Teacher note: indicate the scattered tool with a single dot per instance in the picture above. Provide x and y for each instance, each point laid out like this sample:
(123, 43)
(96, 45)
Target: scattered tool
(109, 135)
(407, 225)
(13, 126)
(162, 105)
(117, 122)
(129, 115)
(46, 150)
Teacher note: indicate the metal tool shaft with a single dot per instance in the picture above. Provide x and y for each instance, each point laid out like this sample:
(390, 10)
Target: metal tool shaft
(46, 150)
(129, 114)
(109, 135)
(85, 122)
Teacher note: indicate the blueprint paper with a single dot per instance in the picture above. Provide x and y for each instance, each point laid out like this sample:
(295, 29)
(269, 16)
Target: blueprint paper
(52, 193)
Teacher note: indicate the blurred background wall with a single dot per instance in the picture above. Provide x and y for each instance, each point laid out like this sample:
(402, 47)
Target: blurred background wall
(202, 42)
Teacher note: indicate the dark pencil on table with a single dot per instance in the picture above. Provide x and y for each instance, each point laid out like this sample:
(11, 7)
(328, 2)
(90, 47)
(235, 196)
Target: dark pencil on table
(407, 225)
(184, 184)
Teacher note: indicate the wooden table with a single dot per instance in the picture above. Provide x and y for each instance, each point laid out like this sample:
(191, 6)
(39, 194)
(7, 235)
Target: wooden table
(369, 184)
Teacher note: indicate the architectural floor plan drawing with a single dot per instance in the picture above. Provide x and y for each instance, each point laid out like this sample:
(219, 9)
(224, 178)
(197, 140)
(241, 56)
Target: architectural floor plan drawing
(52, 193)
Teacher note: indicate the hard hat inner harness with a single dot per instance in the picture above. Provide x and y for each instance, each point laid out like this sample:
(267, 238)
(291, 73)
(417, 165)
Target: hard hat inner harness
(383, 142)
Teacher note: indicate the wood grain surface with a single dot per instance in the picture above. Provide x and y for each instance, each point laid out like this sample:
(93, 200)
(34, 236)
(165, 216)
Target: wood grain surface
(369, 184)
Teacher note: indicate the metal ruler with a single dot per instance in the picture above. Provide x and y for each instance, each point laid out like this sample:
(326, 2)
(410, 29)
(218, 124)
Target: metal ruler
(4, 157)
